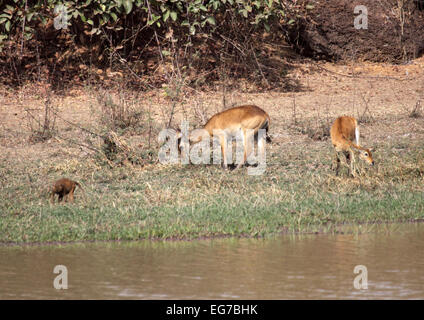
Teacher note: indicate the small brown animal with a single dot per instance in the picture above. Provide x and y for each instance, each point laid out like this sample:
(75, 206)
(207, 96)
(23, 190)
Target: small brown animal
(231, 121)
(343, 132)
(63, 188)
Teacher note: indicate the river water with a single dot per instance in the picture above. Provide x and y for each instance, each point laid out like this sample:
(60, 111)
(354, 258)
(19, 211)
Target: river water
(284, 267)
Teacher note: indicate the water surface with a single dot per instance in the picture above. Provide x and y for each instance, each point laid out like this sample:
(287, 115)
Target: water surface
(286, 267)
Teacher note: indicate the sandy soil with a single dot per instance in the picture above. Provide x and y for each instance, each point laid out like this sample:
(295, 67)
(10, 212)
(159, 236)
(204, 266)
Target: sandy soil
(381, 95)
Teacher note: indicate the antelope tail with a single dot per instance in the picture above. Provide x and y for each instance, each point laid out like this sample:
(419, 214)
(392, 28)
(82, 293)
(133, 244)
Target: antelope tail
(84, 194)
(357, 135)
(83, 191)
(266, 127)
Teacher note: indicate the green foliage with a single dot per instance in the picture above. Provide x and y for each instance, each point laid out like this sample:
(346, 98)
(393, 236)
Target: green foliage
(24, 17)
(209, 37)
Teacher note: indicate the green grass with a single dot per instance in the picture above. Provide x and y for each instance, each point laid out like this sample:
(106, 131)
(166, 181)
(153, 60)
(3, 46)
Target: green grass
(297, 193)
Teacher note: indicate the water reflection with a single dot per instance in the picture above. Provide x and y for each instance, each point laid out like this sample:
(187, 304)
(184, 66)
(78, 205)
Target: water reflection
(286, 267)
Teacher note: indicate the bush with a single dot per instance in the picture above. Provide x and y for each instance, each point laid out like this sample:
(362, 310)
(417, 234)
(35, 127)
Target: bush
(138, 35)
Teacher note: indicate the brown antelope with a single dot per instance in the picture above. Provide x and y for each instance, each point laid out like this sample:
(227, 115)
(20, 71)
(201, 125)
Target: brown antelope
(343, 132)
(247, 119)
(63, 188)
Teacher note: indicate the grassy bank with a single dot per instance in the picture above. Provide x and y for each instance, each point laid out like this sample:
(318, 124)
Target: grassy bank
(297, 193)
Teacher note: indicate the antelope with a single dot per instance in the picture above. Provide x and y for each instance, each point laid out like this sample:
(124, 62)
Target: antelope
(63, 188)
(247, 119)
(343, 132)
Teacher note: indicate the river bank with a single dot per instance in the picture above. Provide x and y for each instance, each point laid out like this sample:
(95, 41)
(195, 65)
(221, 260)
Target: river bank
(298, 192)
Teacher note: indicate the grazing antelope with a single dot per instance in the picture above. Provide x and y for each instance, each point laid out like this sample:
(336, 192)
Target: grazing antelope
(343, 132)
(63, 188)
(246, 119)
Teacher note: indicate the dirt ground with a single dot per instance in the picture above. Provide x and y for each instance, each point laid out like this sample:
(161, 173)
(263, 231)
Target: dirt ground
(381, 96)
(298, 192)
(328, 33)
